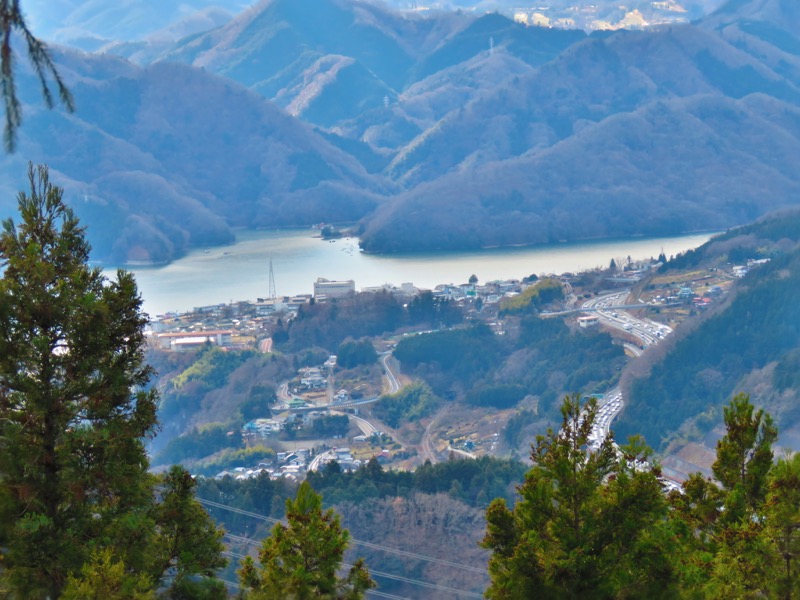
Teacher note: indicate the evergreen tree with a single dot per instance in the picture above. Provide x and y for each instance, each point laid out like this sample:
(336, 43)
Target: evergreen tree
(782, 513)
(300, 560)
(76, 498)
(188, 544)
(744, 455)
(588, 525)
(725, 550)
(73, 408)
(104, 578)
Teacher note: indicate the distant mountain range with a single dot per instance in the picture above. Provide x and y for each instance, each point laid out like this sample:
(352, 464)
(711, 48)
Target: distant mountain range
(433, 131)
(91, 23)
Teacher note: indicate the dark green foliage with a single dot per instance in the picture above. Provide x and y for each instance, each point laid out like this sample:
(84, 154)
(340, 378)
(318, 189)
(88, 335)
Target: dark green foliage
(230, 458)
(73, 415)
(199, 443)
(212, 367)
(726, 536)
(301, 560)
(787, 372)
(328, 426)
(589, 524)
(744, 454)
(587, 359)
(352, 354)
(76, 498)
(260, 494)
(210, 370)
(464, 355)
(409, 404)
(424, 308)
(478, 481)
(504, 395)
(753, 240)
(782, 510)
(532, 299)
(515, 425)
(462, 363)
(330, 324)
(257, 405)
(189, 544)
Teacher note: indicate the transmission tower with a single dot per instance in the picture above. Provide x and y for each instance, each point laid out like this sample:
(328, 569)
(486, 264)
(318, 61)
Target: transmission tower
(272, 293)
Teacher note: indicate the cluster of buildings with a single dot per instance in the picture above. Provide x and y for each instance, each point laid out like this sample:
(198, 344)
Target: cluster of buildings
(291, 465)
(294, 465)
(638, 14)
(742, 270)
(242, 324)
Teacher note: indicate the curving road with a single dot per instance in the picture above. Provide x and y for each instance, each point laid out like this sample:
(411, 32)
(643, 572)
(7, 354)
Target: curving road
(608, 309)
(394, 385)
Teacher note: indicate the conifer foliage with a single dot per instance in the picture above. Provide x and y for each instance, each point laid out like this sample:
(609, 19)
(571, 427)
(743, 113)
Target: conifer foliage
(588, 524)
(75, 492)
(301, 560)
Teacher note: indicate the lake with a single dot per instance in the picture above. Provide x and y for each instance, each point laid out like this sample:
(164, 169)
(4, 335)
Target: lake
(241, 271)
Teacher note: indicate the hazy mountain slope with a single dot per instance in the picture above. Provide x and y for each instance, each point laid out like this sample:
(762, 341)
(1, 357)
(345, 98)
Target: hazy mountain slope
(515, 135)
(589, 81)
(151, 48)
(534, 45)
(673, 165)
(766, 29)
(419, 524)
(281, 37)
(751, 344)
(90, 23)
(169, 157)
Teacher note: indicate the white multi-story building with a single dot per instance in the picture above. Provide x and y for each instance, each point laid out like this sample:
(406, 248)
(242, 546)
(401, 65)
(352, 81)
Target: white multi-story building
(333, 289)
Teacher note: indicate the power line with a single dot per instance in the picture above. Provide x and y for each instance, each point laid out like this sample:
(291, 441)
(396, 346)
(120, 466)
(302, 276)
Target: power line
(380, 594)
(370, 545)
(432, 586)
(425, 584)
(369, 592)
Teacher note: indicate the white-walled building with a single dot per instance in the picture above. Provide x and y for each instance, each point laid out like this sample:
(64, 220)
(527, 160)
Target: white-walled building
(333, 289)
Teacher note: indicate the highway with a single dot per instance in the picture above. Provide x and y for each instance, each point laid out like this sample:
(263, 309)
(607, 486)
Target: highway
(610, 310)
(321, 458)
(394, 385)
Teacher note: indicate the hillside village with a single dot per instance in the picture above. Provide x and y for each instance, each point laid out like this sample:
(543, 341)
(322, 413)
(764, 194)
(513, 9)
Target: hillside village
(316, 418)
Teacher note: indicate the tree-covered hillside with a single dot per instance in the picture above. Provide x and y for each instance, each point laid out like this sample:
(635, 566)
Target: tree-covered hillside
(541, 358)
(750, 343)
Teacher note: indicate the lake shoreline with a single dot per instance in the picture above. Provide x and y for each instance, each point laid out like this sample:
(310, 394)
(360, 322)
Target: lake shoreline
(240, 271)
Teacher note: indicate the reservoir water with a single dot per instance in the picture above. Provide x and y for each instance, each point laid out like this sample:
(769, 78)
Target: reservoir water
(241, 271)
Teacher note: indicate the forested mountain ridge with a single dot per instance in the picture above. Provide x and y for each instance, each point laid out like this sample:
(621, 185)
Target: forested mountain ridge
(152, 172)
(530, 135)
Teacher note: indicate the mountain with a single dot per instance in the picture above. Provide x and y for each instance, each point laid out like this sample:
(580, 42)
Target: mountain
(89, 24)
(587, 82)
(766, 29)
(672, 165)
(750, 343)
(435, 131)
(160, 159)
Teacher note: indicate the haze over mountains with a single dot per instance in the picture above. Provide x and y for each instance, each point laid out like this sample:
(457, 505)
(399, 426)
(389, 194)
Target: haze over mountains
(434, 131)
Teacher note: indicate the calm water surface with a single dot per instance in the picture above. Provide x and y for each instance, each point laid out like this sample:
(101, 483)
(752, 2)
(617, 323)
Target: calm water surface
(241, 271)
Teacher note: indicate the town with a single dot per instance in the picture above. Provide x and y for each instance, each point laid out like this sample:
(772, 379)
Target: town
(316, 418)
